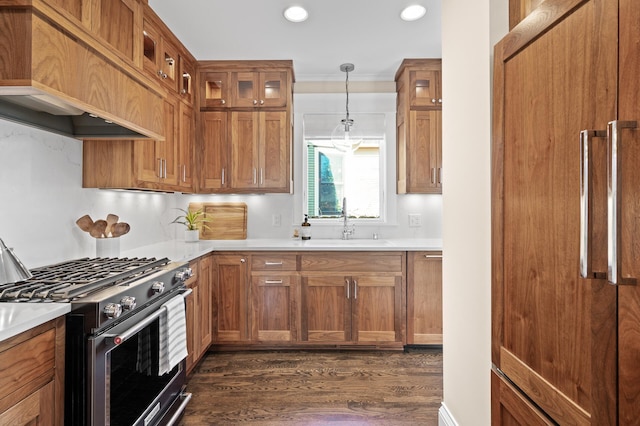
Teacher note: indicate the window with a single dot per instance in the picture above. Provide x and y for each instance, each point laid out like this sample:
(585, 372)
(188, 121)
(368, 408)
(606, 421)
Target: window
(333, 175)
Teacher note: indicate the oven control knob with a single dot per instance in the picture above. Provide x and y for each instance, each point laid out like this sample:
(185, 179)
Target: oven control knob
(157, 287)
(128, 303)
(113, 310)
(184, 274)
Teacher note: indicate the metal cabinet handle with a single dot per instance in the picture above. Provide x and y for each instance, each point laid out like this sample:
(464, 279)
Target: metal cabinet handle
(433, 256)
(355, 289)
(433, 175)
(165, 167)
(160, 168)
(222, 101)
(261, 101)
(586, 139)
(255, 172)
(273, 281)
(184, 173)
(267, 263)
(261, 176)
(255, 102)
(346, 282)
(614, 262)
(223, 176)
(243, 260)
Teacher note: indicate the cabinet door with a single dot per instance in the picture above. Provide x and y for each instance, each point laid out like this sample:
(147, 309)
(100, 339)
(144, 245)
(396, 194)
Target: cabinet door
(244, 149)
(148, 160)
(274, 89)
(245, 89)
(424, 89)
(231, 299)
(326, 309)
(214, 170)
(424, 298)
(204, 303)
(423, 156)
(171, 142)
(274, 151)
(185, 148)
(186, 77)
(151, 49)
(36, 409)
(191, 313)
(214, 89)
(274, 307)
(116, 22)
(377, 308)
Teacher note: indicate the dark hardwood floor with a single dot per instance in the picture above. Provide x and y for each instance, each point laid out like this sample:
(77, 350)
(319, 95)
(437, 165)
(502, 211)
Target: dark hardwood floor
(317, 388)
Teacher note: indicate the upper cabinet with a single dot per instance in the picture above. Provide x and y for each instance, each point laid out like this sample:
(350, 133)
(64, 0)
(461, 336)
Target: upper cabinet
(164, 58)
(245, 123)
(419, 127)
(259, 89)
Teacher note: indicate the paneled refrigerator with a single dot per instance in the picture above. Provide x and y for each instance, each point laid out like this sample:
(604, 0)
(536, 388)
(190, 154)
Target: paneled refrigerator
(566, 216)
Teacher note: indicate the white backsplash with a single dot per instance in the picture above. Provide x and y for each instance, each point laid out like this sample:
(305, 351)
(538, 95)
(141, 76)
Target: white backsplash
(42, 196)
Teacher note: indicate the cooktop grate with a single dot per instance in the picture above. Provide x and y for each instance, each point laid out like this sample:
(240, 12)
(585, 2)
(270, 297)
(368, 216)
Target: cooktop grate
(66, 280)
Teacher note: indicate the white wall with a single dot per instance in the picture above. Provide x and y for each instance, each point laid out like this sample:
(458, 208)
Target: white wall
(467, 60)
(42, 196)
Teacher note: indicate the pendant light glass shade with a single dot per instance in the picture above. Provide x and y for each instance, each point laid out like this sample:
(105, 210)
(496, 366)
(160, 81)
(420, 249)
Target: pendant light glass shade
(11, 269)
(346, 136)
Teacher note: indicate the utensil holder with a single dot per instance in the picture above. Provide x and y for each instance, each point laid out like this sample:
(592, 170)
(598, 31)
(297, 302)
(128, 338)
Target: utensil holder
(107, 247)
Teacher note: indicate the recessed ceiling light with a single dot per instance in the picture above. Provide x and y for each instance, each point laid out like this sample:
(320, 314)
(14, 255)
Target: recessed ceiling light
(296, 14)
(412, 13)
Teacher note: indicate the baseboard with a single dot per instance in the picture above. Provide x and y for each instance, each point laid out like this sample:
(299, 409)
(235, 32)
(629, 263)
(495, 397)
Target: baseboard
(444, 417)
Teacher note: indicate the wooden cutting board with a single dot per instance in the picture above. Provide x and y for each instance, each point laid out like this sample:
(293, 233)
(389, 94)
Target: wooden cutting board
(227, 221)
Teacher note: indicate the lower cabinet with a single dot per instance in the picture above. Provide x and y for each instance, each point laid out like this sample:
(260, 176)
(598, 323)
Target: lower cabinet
(32, 376)
(424, 298)
(326, 299)
(231, 298)
(353, 298)
(275, 292)
(198, 310)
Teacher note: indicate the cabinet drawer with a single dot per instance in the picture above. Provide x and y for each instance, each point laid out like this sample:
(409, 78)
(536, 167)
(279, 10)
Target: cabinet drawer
(352, 262)
(273, 262)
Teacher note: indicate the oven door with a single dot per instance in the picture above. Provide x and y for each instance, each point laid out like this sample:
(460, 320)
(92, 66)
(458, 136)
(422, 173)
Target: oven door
(124, 385)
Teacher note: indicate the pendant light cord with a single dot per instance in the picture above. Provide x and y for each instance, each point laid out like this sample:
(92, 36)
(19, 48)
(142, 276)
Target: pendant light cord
(346, 85)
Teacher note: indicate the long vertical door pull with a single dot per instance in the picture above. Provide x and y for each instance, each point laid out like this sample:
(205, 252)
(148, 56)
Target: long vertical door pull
(586, 166)
(614, 261)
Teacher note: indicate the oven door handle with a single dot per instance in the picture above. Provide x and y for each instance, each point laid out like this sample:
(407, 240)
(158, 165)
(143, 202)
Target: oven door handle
(117, 339)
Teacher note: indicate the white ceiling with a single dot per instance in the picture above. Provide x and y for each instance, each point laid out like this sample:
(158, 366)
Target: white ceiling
(367, 33)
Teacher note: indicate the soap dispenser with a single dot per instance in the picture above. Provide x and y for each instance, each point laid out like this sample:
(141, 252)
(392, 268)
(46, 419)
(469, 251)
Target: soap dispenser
(306, 228)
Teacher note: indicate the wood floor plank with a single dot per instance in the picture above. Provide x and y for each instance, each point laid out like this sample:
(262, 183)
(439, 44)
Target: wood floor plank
(316, 388)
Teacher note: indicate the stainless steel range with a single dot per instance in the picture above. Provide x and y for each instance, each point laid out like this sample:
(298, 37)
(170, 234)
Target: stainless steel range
(119, 365)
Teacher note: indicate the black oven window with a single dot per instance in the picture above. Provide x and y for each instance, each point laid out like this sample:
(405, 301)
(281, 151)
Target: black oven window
(134, 380)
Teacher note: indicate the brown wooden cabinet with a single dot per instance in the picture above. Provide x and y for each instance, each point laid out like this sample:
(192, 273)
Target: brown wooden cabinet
(32, 376)
(275, 295)
(419, 127)
(511, 408)
(353, 298)
(163, 165)
(161, 56)
(424, 298)
(231, 304)
(260, 151)
(245, 126)
(564, 336)
(198, 310)
(214, 157)
(260, 89)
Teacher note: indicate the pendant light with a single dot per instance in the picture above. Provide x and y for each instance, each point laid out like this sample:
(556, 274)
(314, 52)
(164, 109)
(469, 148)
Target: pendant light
(346, 137)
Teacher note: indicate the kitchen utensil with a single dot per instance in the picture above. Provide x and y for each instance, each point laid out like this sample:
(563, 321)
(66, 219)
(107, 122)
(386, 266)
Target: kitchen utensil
(98, 228)
(120, 229)
(85, 223)
(112, 219)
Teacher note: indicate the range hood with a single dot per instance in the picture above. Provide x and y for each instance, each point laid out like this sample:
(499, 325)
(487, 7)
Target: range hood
(52, 114)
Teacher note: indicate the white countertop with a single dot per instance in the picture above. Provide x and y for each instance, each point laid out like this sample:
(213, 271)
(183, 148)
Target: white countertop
(18, 317)
(180, 251)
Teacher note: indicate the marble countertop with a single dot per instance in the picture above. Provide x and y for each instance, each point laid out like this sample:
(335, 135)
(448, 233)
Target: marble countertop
(18, 317)
(180, 251)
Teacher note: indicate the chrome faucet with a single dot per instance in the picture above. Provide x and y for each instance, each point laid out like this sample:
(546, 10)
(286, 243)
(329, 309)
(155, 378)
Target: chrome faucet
(347, 230)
